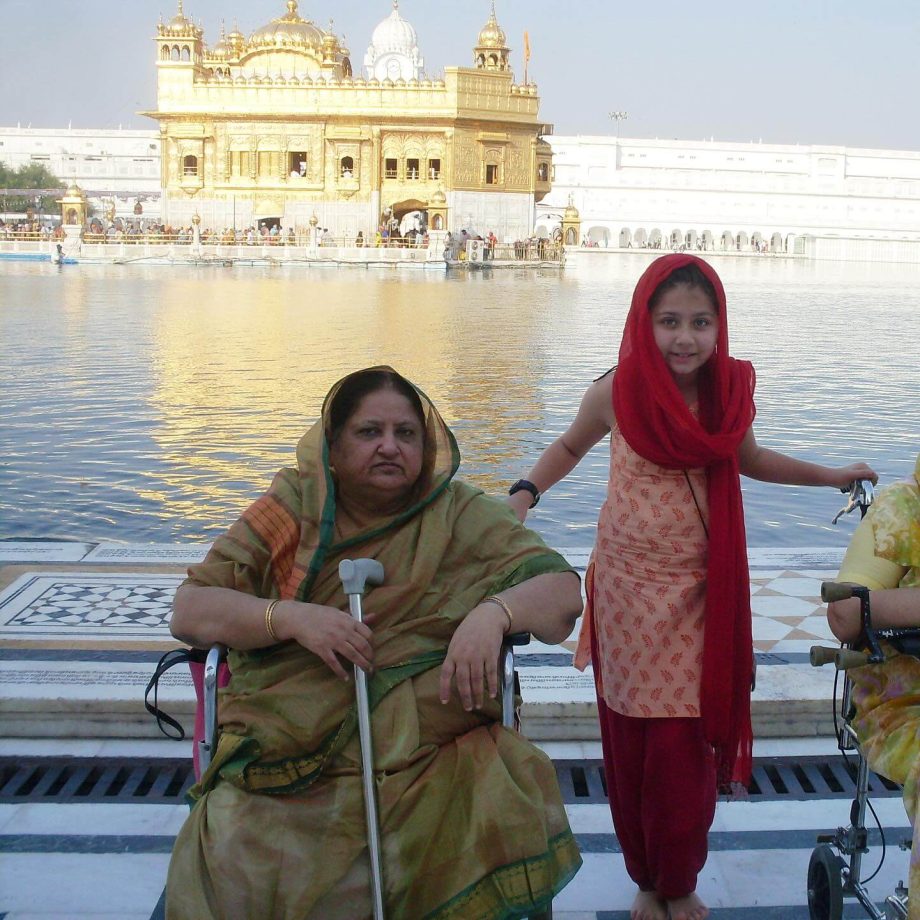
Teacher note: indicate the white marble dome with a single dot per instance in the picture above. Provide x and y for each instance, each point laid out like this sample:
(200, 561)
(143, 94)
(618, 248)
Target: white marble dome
(394, 34)
(393, 53)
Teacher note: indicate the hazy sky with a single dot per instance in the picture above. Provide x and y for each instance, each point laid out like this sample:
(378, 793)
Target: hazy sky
(782, 71)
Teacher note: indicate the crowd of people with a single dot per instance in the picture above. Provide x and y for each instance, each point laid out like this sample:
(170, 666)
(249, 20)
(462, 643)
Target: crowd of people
(29, 230)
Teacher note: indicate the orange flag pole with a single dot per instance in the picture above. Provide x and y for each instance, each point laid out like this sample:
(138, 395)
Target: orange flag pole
(526, 55)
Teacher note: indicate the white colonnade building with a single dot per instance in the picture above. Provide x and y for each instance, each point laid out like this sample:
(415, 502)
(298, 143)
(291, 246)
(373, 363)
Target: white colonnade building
(113, 166)
(713, 196)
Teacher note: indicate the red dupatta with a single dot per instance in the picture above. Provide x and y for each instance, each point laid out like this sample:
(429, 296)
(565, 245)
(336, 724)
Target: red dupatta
(658, 425)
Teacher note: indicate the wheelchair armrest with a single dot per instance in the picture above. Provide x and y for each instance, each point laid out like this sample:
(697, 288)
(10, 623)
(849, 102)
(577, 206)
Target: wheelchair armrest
(216, 655)
(518, 638)
(506, 674)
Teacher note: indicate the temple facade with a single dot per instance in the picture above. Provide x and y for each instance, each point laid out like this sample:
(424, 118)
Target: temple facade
(278, 128)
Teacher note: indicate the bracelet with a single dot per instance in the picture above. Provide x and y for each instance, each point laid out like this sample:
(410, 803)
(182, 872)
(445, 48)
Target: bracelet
(495, 599)
(269, 628)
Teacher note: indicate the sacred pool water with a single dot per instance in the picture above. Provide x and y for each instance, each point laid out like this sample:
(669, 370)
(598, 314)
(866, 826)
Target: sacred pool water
(151, 404)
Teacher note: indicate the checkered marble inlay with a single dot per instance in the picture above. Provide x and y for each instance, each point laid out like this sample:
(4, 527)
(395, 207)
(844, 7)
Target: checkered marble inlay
(789, 615)
(94, 605)
(785, 601)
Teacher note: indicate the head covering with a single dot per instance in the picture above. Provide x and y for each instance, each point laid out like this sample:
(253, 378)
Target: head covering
(658, 425)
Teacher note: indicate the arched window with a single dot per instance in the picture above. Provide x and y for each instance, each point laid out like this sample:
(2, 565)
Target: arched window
(164, 53)
(437, 223)
(571, 238)
(186, 53)
(174, 54)
(542, 172)
(190, 166)
(347, 167)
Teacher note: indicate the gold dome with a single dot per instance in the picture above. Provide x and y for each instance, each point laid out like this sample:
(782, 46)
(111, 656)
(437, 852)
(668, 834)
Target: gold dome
(221, 47)
(571, 212)
(74, 191)
(288, 31)
(438, 198)
(179, 21)
(236, 40)
(492, 35)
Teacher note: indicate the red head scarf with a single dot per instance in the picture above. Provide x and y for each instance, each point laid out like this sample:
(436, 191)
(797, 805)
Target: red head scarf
(658, 425)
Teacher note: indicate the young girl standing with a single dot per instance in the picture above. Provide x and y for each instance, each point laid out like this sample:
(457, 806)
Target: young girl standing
(668, 619)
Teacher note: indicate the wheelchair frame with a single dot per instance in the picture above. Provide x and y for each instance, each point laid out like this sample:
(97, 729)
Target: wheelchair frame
(836, 863)
(507, 676)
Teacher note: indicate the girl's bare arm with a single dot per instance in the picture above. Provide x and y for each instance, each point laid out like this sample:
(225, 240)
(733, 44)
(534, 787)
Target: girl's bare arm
(592, 422)
(768, 465)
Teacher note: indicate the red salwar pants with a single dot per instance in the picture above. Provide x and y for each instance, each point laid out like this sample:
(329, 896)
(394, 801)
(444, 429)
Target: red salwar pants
(661, 784)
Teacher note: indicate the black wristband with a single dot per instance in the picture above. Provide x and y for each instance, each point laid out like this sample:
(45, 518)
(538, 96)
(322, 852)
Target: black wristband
(524, 485)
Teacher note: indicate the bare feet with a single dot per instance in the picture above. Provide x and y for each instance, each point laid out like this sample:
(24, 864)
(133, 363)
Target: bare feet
(687, 908)
(648, 906)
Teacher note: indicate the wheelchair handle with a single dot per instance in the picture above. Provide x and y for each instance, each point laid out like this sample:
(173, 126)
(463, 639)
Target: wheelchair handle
(836, 591)
(356, 573)
(847, 658)
(821, 655)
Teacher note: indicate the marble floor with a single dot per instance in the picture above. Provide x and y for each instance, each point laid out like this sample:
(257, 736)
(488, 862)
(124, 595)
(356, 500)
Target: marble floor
(69, 861)
(81, 626)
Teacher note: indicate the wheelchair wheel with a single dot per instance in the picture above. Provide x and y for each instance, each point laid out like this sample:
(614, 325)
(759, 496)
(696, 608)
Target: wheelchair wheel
(825, 884)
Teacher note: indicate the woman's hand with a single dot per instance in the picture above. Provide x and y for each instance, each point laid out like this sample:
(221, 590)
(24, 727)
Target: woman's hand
(472, 656)
(327, 632)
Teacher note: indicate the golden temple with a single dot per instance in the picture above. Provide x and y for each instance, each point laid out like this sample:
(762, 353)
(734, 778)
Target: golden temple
(278, 129)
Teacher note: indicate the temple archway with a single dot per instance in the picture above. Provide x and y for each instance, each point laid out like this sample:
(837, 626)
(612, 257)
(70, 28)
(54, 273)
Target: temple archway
(401, 208)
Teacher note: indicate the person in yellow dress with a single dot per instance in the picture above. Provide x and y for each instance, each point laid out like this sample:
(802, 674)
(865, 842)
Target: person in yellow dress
(884, 556)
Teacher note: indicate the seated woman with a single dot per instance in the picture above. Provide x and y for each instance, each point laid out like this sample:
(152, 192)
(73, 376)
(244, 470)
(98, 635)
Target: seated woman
(472, 822)
(884, 556)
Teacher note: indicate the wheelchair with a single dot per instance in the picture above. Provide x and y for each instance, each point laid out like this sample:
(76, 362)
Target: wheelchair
(835, 867)
(216, 675)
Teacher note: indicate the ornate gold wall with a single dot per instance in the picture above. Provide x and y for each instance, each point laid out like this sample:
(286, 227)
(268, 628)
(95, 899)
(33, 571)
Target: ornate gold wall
(279, 124)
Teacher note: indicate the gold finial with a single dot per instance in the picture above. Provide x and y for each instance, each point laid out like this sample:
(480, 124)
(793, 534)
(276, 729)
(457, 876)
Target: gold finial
(292, 8)
(181, 12)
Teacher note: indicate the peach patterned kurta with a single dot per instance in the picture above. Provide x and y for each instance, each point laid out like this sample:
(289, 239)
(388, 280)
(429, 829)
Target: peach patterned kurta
(649, 587)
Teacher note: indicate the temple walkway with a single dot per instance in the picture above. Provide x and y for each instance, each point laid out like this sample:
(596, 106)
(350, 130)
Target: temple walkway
(90, 795)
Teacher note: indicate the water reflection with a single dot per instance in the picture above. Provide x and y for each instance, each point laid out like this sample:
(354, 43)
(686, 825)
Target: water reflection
(151, 404)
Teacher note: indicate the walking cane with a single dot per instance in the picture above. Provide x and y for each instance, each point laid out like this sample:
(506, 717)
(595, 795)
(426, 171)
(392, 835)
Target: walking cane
(355, 574)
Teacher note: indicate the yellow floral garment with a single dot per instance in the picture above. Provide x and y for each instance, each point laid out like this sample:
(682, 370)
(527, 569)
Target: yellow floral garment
(887, 696)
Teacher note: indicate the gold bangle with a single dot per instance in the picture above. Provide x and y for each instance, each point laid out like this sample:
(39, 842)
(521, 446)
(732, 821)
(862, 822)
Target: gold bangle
(495, 599)
(269, 628)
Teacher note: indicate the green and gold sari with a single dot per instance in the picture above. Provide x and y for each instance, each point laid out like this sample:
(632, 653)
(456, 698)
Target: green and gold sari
(472, 823)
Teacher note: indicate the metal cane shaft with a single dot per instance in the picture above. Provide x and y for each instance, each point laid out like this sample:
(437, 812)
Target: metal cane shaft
(367, 773)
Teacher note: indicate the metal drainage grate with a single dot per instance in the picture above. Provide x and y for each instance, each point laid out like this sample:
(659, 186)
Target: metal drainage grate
(165, 781)
(773, 779)
(94, 779)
